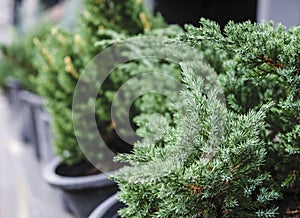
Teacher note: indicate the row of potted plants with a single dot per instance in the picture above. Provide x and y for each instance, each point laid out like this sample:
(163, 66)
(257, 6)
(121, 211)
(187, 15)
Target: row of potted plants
(58, 61)
(63, 58)
(18, 79)
(226, 146)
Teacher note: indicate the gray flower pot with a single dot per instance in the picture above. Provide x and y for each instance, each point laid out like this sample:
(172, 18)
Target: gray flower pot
(81, 194)
(45, 134)
(13, 87)
(30, 105)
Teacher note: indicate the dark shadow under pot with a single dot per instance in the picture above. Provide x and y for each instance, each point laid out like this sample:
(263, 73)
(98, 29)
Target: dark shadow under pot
(83, 187)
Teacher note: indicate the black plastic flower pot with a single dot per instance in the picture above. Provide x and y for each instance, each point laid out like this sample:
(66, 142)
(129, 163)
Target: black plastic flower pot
(13, 87)
(108, 209)
(30, 105)
(83, 187)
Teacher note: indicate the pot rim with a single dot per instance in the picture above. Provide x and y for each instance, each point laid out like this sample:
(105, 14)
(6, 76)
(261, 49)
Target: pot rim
(73, 183)
(31, 98)
(14, 83)
(102, 208)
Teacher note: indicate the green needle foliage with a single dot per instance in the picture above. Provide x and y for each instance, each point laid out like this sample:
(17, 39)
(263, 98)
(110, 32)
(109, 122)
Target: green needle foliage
(253, 169)
(261, 64)
(132, 74)
(127, 17)
(63, 56)
(59, 59)
(17, 59)
(189, 176)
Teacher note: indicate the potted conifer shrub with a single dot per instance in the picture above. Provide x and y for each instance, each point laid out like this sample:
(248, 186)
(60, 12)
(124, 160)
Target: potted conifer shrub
(264, 67)
(62, 58)
(131, 73)
(188, 175)
(18, 59)
(13, 67)
(82, 184)
(10, 71)
(253, 169)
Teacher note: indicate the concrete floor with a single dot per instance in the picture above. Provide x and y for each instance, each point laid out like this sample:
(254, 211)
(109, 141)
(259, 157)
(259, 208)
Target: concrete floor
(23, 192)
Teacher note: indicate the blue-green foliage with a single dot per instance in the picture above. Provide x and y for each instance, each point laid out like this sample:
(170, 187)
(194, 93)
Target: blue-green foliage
(189, 176)
(186, 171)
(261, 64)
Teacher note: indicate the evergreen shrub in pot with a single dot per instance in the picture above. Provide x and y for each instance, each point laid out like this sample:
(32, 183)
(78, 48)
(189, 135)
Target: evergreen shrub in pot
(253, 169)
(17, 64)
(186, 174)
(146, 106)
(11, 69)
(61, 59)
(264, 67)
(82, 184)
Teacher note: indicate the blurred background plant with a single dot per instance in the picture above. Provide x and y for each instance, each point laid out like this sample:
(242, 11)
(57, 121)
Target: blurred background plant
(17, 58)
(63, 57)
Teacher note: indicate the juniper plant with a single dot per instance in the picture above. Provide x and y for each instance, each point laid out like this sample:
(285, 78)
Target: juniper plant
(261, 64)
(63, 57)
(184, 174)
